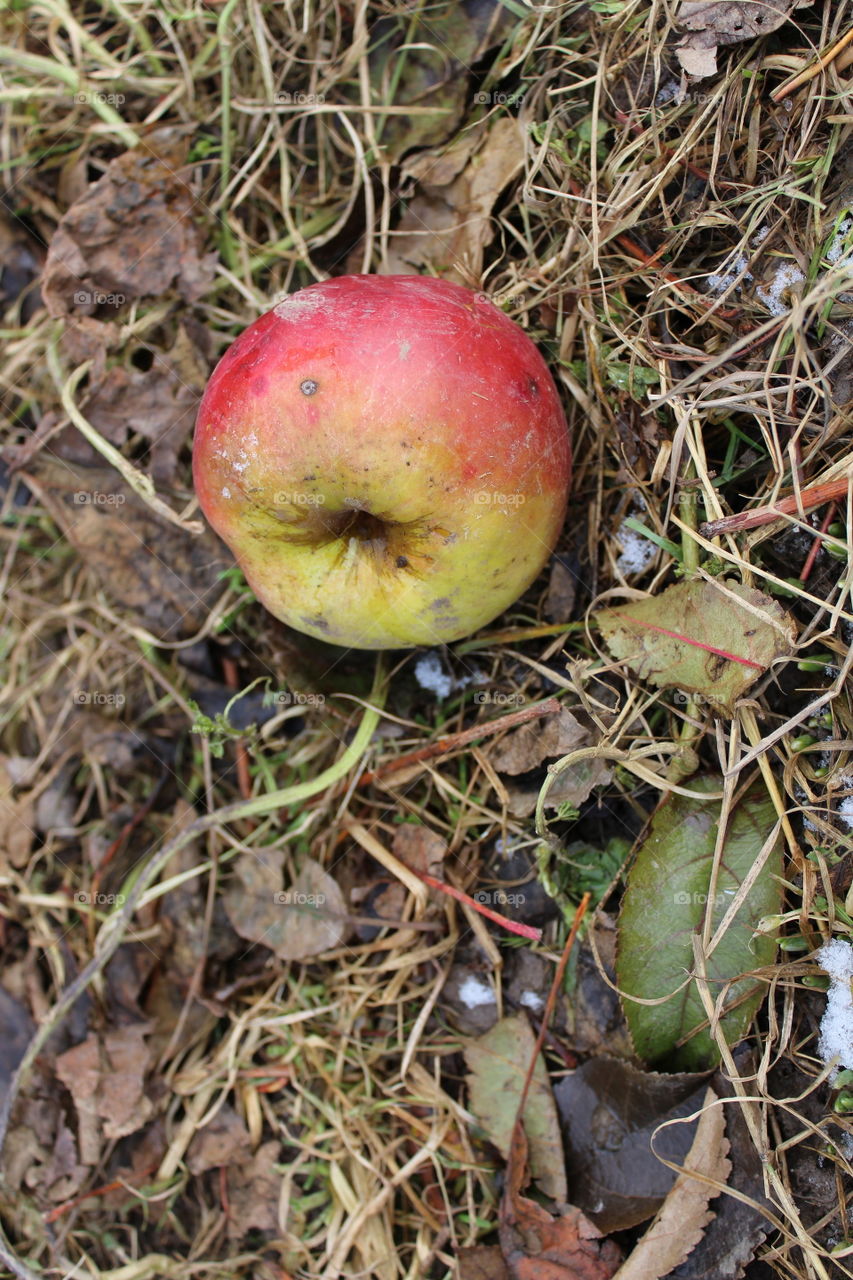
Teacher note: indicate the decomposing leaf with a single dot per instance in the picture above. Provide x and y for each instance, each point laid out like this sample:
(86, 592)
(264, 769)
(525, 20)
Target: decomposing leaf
(529, 746)
(303, 920)
(420, 849)
(668, 894)
(498, 1062)
(712, 639)
(448, 223)
(609, 1111)
(481, 1262)
(427, 58)
(223, 1141)
(130, 235)
(17, 821)
(537, 1246)
(254, 1191)
(105, 1077)
(168, 578)
(684, 1215)
(721, 22)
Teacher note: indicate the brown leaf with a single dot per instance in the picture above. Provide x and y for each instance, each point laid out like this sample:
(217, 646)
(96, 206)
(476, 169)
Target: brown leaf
(167, 578)
(420, 849)
(17, 821)
(562, 589)
(129, 235)
(527, 747)
(301, 921)
(448, 224)
(481, 1262)
(225, 1140)
(105, 1077)
(254, 1189)
(538, 1247)
(609, 1110)
(722, 22)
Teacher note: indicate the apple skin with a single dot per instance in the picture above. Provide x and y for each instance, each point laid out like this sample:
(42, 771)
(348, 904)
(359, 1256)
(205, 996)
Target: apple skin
(387, 458)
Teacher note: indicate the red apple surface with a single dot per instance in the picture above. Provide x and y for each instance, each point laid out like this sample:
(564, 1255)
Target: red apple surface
(388, 459)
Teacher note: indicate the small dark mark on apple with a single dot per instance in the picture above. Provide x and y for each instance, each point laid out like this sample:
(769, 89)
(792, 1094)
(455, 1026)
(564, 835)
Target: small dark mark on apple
(532, 385)
(308, 387)
(320, 623)
(402, 562)
(442, 603)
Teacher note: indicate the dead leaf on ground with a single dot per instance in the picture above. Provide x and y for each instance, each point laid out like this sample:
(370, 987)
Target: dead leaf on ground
(498, 1063)
(562, 590)
(420, 849)
(448, 223)
(105, 1077)
(537, 1246)
(17, 821)
(721, 22)
(302, 920)
(712, 639)
(158, 404)
(481, 1262)
(254, 1191)
(682, 1218)
(223, 1141)
(167, 578)
(130, 235)
(609, 1110)
(529, 746)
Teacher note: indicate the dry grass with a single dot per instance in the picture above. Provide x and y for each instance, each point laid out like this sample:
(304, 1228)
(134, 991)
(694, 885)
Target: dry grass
(686, 402)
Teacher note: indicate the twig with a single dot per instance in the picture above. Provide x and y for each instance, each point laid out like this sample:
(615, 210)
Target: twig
(815, 496)
(809, 73)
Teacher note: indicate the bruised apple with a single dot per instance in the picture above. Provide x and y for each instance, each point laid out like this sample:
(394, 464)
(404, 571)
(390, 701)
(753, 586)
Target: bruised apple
(387, 458)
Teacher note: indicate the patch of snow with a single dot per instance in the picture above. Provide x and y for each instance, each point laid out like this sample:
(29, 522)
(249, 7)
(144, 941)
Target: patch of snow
(732, 272)
(532, 1000)
(637, 552)
(836, 1025)
(430, 675)
(836, 249)
(474, 993)
(761, 235)
(845, 812)
(666, 93)
(787, 274)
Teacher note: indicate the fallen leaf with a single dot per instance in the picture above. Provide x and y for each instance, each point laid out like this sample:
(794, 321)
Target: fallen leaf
(223, 1141)
(537, 1246)
(254, 1191)
(562, 590)
(481, 1262)
(498, 1062)
(168, 578)
(129, 236)
(105, 1077)
(529, 746)
(17, 821)
(420, 849)
(684, 1215)
(448, 223)
(609, 1110)
(667, 896)
(711, 639)
(721, 22)
(304, 920)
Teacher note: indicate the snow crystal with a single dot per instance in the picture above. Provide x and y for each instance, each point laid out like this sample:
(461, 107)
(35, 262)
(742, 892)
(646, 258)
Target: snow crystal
(732, 272)
(835, 250)
(637, 551)
(532, 1000)
(473, 992)
(761, 235)
(845, 812)
(430, 675)
(836, 1026)
(787, 274)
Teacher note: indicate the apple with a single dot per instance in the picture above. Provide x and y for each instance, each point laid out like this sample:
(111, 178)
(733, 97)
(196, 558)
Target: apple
(387, 458)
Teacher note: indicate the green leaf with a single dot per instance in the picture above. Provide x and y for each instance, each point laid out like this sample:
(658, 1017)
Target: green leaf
(710, 639)
(664, 906)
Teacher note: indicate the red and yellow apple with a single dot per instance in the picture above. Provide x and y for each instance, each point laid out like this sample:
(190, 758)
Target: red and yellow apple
(388, 459)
